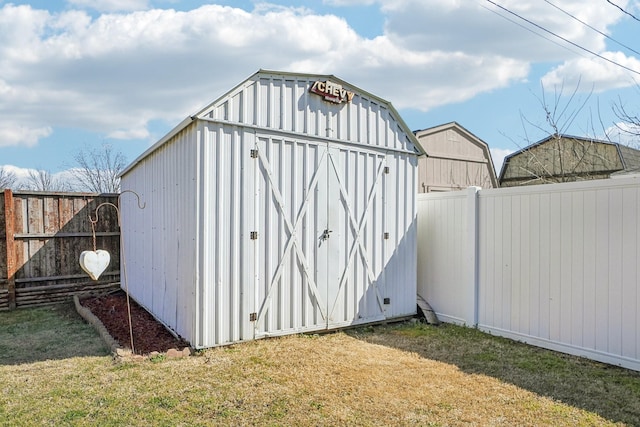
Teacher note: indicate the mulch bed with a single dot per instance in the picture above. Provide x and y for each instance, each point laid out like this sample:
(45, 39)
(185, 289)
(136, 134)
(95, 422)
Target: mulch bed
(149, 335)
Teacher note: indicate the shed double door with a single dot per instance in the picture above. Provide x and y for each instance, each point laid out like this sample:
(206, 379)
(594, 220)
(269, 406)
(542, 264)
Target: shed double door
(319, 235)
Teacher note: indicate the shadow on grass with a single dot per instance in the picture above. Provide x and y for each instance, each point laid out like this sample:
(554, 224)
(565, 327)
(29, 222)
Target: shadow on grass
(46, 333)
(609, 391)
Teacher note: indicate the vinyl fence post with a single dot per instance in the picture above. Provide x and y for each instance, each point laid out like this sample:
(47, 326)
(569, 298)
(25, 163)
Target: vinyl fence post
(472, 256)
(9, 227)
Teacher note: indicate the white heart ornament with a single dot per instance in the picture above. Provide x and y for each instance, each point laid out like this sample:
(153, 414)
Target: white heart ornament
(94, 262)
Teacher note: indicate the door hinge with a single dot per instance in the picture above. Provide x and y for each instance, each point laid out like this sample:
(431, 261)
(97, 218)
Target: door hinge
(254, 154)
(253, 317)
(253, 235)
(386, 169)
(386, 235)
(386, 301)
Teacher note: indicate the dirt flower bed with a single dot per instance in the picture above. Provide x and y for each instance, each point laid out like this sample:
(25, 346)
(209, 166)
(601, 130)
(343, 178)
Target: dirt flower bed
(149, 335)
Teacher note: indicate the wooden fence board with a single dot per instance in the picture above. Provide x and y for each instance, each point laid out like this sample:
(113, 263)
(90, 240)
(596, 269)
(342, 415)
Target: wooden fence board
(9, 227)
(66, 212)
(20, 215)
(50, 215)
(35, 223)
(3, 241)
(80, 216)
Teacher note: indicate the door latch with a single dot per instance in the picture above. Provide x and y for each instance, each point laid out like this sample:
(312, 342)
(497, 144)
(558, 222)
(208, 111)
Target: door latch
(325, 234)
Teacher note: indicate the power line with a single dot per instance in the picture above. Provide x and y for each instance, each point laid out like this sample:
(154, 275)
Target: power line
(564, 39)
(513, 21)
(594, 29)
(621, 9)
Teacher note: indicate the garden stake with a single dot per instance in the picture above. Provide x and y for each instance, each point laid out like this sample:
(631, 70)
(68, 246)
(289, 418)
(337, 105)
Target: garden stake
(124, 259)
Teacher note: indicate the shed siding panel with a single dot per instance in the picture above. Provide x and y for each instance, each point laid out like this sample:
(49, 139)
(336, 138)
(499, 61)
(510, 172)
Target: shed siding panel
(159, 248)
(403, 228)
(224, 245)
(451, 144)
(300, 96)
(436, 173)
(285, 103)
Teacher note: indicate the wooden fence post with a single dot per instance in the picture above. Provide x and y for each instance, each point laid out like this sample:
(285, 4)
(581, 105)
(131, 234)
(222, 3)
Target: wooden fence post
(9, 216)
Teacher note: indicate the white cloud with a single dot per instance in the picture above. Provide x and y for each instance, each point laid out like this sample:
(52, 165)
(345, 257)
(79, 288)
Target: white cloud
(141, 133)
(624, 133)
(22, 28)
(601, 74)
(110, 5)
(480, 27)
(341, 3)
(21, 135)
(117, 72)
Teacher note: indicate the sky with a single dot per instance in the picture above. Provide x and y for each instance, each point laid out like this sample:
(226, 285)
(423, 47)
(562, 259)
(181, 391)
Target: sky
(81, 74)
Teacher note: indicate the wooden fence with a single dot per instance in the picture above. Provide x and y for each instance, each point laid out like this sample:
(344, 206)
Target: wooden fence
(41, 237)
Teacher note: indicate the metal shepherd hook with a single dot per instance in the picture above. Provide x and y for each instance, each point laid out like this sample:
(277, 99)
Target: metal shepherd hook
(124, 259)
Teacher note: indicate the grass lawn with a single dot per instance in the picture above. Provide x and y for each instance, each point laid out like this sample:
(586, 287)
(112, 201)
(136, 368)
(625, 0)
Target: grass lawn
(55, 371)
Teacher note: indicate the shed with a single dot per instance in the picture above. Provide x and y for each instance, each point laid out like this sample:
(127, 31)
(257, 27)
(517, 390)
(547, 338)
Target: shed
(287, 205)
(566, 158)
(454, 159)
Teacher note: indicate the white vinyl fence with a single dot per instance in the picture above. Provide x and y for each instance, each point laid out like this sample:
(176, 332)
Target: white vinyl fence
(551, 265)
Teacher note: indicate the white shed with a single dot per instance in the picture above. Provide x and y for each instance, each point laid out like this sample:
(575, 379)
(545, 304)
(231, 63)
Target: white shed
(287, 205)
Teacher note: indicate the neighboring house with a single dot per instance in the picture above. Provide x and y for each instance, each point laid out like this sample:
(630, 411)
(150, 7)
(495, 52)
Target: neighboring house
(455, 159)
(565, 158)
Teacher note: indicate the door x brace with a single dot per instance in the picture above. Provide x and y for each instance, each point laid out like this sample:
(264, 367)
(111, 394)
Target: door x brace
(358, 227)
(292, 241)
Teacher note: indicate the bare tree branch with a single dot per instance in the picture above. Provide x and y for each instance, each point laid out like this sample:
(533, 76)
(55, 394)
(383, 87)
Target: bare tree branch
(98, 170)
(559, 157)
(43, 180)
(630, 121)
(7, 179)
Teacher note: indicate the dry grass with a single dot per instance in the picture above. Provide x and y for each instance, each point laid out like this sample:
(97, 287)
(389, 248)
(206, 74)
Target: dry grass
(52, 332)
(408, 374)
